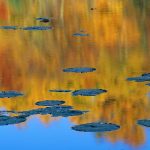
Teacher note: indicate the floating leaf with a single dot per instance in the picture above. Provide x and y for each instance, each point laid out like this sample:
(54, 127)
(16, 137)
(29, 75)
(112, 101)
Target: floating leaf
(96, 127)
(37, 28)
(88, 92)
(142, 78)
(144, 122)
(79, 70)
(49, 103)
(9, 27)
(7, 120)
(60, 91)
(45, 20)
(8, 94)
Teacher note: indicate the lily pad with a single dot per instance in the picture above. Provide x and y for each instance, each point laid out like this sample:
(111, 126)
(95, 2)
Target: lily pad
(79, 70)
(148, 84)
(144, 122)
(8, 94)
(49, 103)
(37, 28)
(142, 78)
(7, 120)
(80, 34)
(45, 20)
(9, 27)
(96, 127)
(65, 91)
(88, 92)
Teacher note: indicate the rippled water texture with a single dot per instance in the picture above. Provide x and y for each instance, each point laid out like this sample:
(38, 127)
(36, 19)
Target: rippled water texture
(68, 63)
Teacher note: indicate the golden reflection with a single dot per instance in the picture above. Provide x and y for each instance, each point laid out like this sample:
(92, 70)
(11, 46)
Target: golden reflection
(32, 61)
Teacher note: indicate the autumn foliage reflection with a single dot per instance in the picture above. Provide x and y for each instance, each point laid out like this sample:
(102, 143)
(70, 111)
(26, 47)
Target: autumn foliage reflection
(117, 45)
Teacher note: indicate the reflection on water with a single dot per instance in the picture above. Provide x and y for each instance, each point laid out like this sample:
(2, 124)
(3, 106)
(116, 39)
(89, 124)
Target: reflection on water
(32, 62)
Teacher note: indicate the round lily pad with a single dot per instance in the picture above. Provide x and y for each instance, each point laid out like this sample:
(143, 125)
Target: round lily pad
(88, 92)
(96, 127)
(79, 70)
(49, 103)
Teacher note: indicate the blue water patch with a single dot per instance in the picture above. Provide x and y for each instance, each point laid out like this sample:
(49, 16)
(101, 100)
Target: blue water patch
(50, 103)
(80, 34)
(88, 92)
(9, 94)
(96, 127)
(79, 70)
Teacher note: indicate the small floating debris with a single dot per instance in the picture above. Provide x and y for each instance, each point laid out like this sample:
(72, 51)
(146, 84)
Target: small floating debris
(61, 91)
(144, 122)
(49, 103)
(96, 127)
(88, 92)
(144, 77)
(79, 70)
(9, 94)
(7, 120)
(9, 27)
(80, 34)
(45, 20)
(37, 28)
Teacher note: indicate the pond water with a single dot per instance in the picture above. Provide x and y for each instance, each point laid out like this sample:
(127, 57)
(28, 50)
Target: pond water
(104, 44)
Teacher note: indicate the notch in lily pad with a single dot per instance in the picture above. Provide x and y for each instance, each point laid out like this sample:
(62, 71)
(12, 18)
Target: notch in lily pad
(88, 92)
(60, 91)
(32, 28)
(50, 103)
(144, 122)
(79, 69)
(9, 94)
(96, 127)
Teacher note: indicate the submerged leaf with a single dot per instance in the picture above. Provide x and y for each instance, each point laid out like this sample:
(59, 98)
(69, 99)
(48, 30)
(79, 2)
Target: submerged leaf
(88, 92)
(96, 127)
(79, 70)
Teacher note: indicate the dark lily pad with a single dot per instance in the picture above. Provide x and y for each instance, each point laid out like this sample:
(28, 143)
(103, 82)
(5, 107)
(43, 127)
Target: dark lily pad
(8, 94)
(142, 78)
(7, 120)
(60, 91)
(37, 28)
(96, 127)
(9, 27)
(55, 111)
(144, 122)
(88, 92)
(45, 20)
(79, 70)
(80, 34)
(49, 103)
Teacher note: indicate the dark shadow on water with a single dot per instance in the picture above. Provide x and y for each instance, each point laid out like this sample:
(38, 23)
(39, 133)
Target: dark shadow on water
(96, 127)
(88, 92)
(79, 70)
(42, 19)
(50, 103)
(9, 94)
